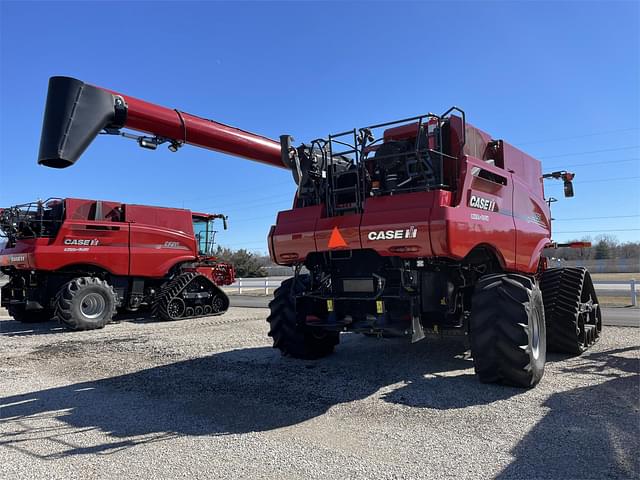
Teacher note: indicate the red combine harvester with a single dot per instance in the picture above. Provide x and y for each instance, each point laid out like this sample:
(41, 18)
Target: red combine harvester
(425, 224)
(80, 260)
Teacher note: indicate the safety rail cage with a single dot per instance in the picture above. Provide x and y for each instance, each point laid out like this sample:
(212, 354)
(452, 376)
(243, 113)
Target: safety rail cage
(354, 146)
(27, 220)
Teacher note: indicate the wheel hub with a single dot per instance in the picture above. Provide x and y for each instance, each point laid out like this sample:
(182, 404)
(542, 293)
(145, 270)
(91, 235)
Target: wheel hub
(535, 335)
(93, 305)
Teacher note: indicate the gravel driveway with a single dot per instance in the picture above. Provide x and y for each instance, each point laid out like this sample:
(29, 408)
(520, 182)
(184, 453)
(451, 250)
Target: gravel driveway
(209, 398)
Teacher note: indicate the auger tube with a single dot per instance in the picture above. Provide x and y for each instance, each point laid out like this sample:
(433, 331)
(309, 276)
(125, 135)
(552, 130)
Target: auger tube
(77, 112)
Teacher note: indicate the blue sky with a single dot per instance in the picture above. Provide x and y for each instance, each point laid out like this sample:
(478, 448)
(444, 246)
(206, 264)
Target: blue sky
(560, 80)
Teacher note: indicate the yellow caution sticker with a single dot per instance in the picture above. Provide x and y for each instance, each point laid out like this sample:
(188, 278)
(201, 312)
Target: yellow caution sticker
(329, 305)
(379, 306)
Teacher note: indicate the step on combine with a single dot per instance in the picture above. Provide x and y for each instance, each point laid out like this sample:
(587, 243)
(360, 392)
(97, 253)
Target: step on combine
(81, 261)
(425, 225)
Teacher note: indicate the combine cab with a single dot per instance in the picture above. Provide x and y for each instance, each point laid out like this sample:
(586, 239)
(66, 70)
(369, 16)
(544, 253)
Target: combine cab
(421, 225)
(82, 260)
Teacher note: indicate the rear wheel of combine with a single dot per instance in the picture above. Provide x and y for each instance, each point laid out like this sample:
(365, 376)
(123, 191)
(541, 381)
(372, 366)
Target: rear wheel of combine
(572, 312)
(290, 337)
(86, 303)
(508, 339)
(29, 316)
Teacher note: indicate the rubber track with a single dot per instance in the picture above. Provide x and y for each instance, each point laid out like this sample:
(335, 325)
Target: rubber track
(562, 289)
(173, 289)
(290, 338)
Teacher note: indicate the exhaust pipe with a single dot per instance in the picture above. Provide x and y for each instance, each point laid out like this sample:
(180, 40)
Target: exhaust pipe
(74, 114)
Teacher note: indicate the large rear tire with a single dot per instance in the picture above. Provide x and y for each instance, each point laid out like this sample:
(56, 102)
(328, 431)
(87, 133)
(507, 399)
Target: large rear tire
(508, 338)
(29, 316)
(86, 303)
(571, 309)
(291, 337)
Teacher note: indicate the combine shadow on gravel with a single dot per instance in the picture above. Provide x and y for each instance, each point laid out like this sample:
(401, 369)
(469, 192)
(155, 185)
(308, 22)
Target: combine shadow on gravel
(12, 328)
(242, 391)
(590, 432)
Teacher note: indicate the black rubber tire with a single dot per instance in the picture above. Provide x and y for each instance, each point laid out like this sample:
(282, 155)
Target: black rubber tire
(70, 298)
(291, 338)
(568, 329)
(508, 337)
(29, 316)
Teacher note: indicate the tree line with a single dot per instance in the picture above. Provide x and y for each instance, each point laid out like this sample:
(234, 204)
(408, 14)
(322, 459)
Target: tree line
(246, 263)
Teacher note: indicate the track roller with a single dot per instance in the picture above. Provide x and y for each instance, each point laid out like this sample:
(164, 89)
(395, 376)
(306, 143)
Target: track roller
(189, 295)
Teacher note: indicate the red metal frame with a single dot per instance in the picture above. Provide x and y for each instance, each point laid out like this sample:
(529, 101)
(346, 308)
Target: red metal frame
(147, 242)
(193, 130)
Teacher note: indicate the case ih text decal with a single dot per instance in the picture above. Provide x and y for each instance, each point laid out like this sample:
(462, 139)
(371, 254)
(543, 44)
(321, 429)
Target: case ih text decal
(411, 232)
(83, 242)
(482, 203)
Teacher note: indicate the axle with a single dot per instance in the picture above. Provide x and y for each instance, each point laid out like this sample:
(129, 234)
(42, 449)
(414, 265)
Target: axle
(76, 113)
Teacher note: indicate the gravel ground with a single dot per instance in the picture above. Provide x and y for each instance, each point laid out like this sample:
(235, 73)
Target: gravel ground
(209, 398)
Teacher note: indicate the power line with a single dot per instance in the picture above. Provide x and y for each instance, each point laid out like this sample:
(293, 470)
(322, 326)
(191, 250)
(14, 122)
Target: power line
(593, 218)
(591, 151)
(550, 140)
(601, 162)
(597, 180)
(600, 231)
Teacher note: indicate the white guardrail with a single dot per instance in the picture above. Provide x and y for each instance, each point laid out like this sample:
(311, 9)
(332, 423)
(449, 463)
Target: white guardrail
(263, 284)
(268, 284)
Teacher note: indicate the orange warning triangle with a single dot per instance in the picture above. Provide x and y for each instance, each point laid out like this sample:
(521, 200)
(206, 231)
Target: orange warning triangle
(336, 240)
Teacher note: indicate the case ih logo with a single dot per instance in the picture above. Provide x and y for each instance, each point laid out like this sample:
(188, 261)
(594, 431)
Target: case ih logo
(17, 258)
(411, 232)
(482, 203)
(83, 242)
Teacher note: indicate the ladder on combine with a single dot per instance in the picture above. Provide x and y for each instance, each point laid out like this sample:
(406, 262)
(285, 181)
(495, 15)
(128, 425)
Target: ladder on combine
(346, 187)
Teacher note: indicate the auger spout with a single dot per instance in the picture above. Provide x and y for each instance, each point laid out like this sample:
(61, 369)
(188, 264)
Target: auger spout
(77, 112)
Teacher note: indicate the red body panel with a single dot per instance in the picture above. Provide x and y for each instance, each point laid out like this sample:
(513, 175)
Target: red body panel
(160, 238)
(447, 224)
(126, 240)
(398, 213)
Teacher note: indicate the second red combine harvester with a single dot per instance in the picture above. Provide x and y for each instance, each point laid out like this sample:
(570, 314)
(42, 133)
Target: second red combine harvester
(421, 224)
(80, 260)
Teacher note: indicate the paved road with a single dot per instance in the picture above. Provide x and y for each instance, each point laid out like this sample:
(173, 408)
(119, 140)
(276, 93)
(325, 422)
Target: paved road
(621, 317)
